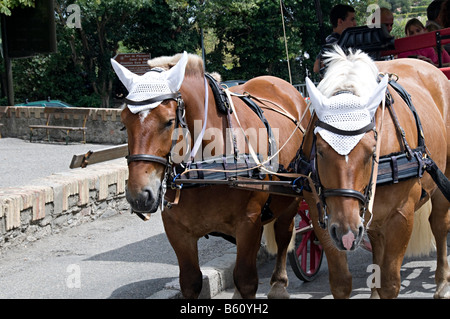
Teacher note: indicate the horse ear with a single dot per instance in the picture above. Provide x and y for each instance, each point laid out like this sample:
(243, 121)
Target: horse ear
(175, 75)
(125, 75)
(377, 96)
(317, 98)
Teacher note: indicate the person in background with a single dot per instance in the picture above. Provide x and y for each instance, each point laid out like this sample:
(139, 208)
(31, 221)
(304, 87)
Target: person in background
(387, 18)
(445, 11)
(414, 27)
(341, 17)
(434, 15)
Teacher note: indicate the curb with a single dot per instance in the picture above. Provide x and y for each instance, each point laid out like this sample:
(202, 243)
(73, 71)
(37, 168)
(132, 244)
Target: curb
(61, 200)
(217, 276)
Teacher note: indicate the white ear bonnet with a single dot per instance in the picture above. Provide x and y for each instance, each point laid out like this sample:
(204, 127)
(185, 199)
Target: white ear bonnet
(151, 84)
(346, 112)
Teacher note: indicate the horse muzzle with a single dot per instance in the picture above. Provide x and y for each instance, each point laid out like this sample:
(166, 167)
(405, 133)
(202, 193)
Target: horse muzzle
(345, 238)
(144, 201)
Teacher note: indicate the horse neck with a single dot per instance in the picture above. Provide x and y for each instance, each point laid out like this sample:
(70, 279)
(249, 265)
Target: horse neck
(193, 94)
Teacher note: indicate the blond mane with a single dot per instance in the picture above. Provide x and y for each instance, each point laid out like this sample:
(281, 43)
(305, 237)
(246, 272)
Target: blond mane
(194, 66)
(355, 72)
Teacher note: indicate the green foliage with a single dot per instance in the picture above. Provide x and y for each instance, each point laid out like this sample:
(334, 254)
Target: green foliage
(163, 28)
(7, 5)
(242, 38)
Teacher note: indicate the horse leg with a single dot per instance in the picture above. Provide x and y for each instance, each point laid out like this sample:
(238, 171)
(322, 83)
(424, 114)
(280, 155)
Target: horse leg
(390, 250)
(339, 275)
(283, 228)
(185, 247)
(377, 242)
(440, 225)
(245, 274)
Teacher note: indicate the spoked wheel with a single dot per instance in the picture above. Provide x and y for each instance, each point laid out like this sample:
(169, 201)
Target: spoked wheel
(306, 258)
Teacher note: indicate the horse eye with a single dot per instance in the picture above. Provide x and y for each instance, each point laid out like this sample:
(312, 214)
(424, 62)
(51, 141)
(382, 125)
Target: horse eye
(169, 123)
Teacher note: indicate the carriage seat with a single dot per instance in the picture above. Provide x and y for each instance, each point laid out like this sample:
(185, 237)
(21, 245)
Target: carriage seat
(430, 39)
(446, 71)
(370, 40)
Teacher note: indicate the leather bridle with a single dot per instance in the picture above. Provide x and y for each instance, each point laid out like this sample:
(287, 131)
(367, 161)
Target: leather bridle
(324, 193)
(166, 161)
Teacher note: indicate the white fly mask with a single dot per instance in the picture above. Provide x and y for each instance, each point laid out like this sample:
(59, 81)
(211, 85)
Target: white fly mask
(152, 84)
(346, 112)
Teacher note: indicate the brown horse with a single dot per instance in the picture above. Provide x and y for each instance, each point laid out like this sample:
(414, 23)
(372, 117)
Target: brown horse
(211, 208)
(345, 162)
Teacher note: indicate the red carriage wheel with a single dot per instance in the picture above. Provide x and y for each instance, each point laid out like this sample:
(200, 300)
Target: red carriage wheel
(306, 258)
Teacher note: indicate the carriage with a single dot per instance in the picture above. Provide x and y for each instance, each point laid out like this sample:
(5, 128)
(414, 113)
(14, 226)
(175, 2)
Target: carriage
(266, 173)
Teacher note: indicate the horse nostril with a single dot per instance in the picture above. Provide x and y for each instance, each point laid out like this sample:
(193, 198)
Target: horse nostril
(146, 196)
(360, 231)
(333, 232)
(142, 202)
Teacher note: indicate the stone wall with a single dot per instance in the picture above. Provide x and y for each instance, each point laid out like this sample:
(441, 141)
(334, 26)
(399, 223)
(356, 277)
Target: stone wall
(60, 201)
(103, 125)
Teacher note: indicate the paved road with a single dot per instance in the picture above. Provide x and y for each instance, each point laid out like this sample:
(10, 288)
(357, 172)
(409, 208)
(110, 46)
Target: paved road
(124, 257)
(22, 161)
(417, 279)
(115, 257)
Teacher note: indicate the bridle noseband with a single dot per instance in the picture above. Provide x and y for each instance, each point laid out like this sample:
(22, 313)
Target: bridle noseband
(147, 158)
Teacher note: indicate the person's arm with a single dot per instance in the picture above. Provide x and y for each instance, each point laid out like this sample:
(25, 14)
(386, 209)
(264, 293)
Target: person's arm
(316, 68)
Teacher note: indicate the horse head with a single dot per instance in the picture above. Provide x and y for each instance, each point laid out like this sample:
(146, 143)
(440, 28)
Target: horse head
(149, 118)
(345, 138)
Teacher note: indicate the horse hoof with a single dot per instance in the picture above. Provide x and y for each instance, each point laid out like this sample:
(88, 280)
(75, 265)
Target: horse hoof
(278, 291)
(374, 294)
(236, 294)
(443, 292)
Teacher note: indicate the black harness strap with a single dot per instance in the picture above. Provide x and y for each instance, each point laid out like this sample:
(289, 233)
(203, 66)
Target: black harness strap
(220, 97)
(258, 111)
(159, 98)
(407, 98)
(335, 130)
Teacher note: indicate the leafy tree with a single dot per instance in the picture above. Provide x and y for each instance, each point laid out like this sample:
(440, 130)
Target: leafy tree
(103, 25)
(248, 35)
(163, 28)
(7, 5)
(243, 39)
(249, 39)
